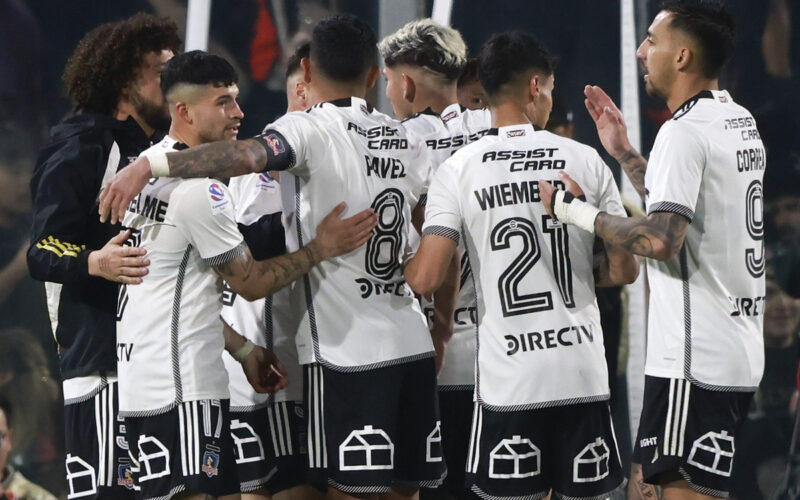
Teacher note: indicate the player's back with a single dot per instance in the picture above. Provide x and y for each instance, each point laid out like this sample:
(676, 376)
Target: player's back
(535, 298)
(707, 303)
(355, 311)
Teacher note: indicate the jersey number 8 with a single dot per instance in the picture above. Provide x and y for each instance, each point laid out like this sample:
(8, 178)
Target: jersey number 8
(383, 249)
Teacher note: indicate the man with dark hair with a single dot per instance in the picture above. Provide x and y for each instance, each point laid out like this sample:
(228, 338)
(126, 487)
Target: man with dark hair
(470, 91)
(704, 236)
(13, 485)
(370, 379)
(295, 86)
(113, 79)
(534, 281)
(171, 373)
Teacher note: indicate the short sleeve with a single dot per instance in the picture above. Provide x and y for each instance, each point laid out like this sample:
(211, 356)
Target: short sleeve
(205, 215)
(442, 210)
(675, 170)
(287, 143)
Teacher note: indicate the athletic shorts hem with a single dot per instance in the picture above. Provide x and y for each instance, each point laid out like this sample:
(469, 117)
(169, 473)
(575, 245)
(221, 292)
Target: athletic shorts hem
(456, 387)
(485, 496)
(701, 489)
(544, 404)
(602, 496)
(358, 489)
(373, 366)
(257, 484)
(174, 491)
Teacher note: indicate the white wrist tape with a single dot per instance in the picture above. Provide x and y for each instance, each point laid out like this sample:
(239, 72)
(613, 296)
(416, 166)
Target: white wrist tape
(159, 166)
(571, 210)
(242, 352)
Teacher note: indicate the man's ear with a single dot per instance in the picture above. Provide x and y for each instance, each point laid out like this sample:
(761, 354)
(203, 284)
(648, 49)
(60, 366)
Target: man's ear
(305, 64)
(409, 88)
(372, 76)
(182, 112)
(533, 86)
(684, 58)
(300, 92)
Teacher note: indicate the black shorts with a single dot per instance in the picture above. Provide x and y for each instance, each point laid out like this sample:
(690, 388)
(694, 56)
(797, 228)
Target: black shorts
(270, 447)
(369, 430)
(188, 448)
(523, 454)
(97, 462)
(455, 407)
(690, 431)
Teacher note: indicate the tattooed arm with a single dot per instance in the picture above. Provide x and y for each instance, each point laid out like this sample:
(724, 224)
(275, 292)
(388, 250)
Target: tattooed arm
(613, 135)
(638, 489)
(255, 279)
(658, 235)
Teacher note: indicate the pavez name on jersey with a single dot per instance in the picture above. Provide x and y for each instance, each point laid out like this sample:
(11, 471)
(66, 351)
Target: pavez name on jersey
(352, 312)
(706, 304)
(444, 135)
(539, 338)
(169, 335)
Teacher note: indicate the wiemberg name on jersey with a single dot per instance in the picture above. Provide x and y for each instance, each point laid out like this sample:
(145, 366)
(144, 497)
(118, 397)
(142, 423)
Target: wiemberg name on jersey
(511, 193)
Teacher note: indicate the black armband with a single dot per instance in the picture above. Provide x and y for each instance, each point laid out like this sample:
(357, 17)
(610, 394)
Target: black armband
(280, 155)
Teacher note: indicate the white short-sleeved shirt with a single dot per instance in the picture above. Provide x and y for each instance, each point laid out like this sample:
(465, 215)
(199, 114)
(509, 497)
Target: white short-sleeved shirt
(354, 312)
(169, 333)
(540, 343)
(256, 195)
(443, 136)
(705, 319)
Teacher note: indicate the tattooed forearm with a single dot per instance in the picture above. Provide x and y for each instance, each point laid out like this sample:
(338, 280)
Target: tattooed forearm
(638, 489)
(256, 279)
(634, 166)
(658, 235)
(218, 159)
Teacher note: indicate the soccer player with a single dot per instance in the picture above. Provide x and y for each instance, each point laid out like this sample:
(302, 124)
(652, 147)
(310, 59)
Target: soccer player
(173, 385)
(422, 61)
(470, 91)
(113, 79)
(703, 234)
(369, 369)
(541, 418)
(267, 430)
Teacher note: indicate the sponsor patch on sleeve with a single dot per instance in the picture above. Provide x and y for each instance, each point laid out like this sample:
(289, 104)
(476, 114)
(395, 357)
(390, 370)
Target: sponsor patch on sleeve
(218, 197)
(280, 155)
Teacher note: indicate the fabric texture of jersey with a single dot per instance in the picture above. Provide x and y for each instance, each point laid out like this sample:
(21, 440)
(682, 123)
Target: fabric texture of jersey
(539, 337)
(443, 136)
(84, 152)
(707, 303)
(353, 312)
(255, 196)
(170, 336)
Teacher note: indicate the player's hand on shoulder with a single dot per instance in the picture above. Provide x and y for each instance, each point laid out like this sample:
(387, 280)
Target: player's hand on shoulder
(608, 119)
(337, 236)
(124, 187)
(264, 371)
(116, 262)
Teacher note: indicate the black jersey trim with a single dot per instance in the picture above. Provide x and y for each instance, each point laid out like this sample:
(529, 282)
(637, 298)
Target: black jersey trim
(257, 484)
(701, 489)
(358, 489)
(689, 104)
(346, 102)
(149, 413)
(543, 404)
(250, 408)
(486, 496)
(375, 366)
(427, 111)
(445, 231)
(175, 326)
(456, 387)
(620, 487)
(669, 206)
(225, 257)
(312, 318)
(493, 131)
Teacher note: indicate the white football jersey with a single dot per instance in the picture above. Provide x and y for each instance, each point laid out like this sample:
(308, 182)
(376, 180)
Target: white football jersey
(254, 196)
(444, 135)
(706, 310)
(540, 343)
(353, 312)
(169, 333)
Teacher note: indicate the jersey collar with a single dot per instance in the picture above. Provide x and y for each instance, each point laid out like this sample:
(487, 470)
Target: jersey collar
(451, 112)
(354, 102)
(689, 104)
(513, 131)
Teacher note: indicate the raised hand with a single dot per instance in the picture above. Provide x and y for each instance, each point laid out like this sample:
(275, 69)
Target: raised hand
(608, 119)
(124, 187)
(115, 262)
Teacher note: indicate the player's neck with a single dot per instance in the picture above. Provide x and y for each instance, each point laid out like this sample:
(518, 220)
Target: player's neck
(332, 91)
(184, 136)
(436, 99)
(507, 114)
(688, 87)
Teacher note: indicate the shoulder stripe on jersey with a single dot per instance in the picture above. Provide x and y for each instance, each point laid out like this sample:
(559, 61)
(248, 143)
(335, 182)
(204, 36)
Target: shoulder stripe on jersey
(225, 257)
(312, 319)
(442, 231)
(676, 208)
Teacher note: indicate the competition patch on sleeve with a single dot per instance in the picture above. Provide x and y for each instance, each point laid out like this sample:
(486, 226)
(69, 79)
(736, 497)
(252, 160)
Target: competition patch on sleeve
(217, 197)
(280, 155)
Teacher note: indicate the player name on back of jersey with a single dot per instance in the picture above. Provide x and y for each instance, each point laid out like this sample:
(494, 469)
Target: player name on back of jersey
(747, 159)
(149, 206)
